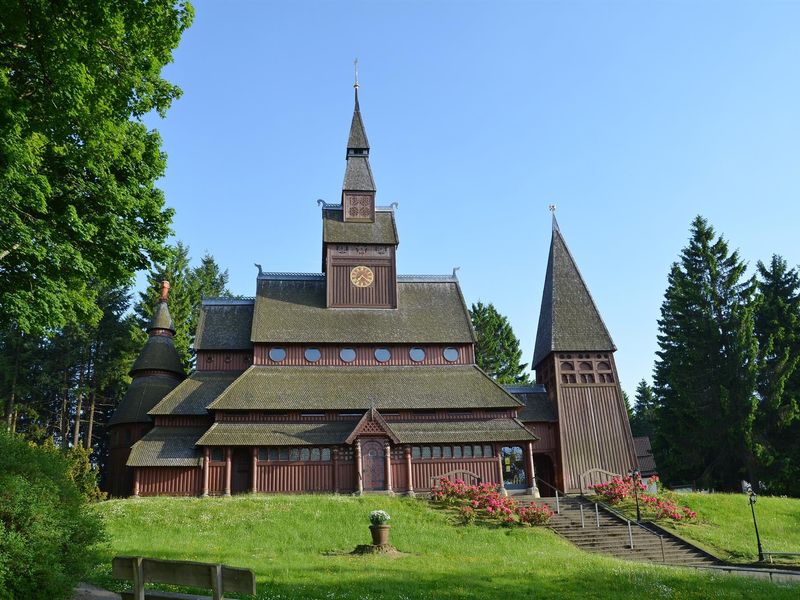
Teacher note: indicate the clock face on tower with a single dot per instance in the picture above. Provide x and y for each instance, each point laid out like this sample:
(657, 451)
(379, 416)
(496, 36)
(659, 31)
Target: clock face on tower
(362, 276)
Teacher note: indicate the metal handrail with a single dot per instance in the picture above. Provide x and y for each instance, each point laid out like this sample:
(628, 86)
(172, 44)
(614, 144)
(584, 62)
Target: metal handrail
(556, 490)
(619, 515)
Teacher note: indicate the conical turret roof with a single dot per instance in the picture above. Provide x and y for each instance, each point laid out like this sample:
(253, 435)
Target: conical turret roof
(358, 135)
(569, 320)
(162, 319)
(358, 174)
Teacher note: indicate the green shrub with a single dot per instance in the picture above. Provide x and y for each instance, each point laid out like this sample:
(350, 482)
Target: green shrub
(48, 539)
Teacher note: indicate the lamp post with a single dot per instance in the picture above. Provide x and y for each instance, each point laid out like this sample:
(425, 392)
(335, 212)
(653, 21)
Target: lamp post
(637, 477)
(753, 497)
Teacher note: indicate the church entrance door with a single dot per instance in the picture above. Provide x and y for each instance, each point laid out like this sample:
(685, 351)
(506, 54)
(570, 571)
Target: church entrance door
(240, 467)
(514, 477)
(373, 470)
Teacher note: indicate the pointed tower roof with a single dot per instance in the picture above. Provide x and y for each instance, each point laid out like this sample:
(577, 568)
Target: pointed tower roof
(569, 320)
(358, 174)
(358, 135)
(157, 369)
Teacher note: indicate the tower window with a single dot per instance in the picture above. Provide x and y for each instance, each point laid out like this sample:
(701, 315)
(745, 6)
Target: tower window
(312, 354)
(450, 354)
(347, 354)
(277, 354)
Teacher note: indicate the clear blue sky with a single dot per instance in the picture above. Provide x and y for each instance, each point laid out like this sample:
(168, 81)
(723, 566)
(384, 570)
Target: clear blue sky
(632, 117)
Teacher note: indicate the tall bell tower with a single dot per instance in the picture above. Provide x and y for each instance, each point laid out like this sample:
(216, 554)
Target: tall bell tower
(574, 359)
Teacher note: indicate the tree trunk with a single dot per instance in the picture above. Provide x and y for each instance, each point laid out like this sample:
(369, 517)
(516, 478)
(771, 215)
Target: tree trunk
(14, 422)
(65, 412)
(76, 432)
(88, 439)
(10, 402)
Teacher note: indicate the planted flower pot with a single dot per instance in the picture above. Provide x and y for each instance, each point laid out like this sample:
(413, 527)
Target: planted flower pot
(380, 534)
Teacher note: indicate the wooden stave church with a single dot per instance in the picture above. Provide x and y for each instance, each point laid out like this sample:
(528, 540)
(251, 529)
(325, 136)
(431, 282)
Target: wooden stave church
(357, 380)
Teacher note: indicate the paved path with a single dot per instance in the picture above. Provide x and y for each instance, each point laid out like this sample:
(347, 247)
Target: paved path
(84, 591)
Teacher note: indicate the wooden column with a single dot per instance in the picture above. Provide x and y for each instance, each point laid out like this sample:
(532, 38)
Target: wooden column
(254, 472)
(228, 471)
(206, 460)
(410, 473)
(335, 463)
(387, 452)
(499, 450)
(135, 482)
(533, 489)
(359, 479)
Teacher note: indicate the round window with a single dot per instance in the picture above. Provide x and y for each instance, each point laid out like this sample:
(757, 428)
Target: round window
(382, 354)
(277, 354)
(347, 354)
(312, 354)
(417, 354)
(450, 354)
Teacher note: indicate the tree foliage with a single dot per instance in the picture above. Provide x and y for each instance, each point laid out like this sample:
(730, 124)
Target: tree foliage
(644, 411)
(777, 328)
(497, 349)
(48, 541)
(77, 166)
(705, 373)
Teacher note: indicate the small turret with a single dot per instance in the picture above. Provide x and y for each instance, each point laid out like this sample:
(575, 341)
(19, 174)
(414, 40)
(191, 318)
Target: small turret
(156, 372)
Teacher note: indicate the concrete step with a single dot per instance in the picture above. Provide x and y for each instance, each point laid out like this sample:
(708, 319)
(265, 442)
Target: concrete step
(613, 537)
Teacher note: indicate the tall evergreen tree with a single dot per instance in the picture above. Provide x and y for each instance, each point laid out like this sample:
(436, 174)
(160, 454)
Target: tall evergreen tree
(497, 349)
(706, 367)
(777, 327)
(644, 407)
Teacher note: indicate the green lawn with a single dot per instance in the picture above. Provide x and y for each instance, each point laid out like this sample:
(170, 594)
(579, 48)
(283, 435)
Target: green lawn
(294, 544)
(725, 525)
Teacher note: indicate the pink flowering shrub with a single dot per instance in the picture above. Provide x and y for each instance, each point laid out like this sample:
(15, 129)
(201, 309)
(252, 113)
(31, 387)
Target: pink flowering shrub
(485, 500)
(661, 506)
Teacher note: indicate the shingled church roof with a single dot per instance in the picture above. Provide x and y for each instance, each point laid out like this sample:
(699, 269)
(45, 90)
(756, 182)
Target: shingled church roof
(336, 231)
(292, 309)
(569, 319)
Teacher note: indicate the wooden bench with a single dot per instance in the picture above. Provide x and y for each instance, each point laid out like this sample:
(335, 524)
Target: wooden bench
(218, 578)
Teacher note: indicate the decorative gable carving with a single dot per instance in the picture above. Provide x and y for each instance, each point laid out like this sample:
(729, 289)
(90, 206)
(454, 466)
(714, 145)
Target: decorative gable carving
(372, 424)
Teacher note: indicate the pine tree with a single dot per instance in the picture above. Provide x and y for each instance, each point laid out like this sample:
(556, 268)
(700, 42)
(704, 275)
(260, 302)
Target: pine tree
(643, 419)
(777, 328)
(706, 367)
(497, 349)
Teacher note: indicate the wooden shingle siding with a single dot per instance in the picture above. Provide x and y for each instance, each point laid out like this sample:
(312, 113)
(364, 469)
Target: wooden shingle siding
(595, 432)
(365, 355)
(423, 470)
(295, 477)
(547, 434)
(223, 360)
(170, 481)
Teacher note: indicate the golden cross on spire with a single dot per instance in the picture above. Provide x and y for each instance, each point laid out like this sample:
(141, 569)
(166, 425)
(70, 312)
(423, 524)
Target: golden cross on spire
(355, 66)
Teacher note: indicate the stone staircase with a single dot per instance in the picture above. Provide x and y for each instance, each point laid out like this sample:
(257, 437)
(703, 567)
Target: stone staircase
(613, 538)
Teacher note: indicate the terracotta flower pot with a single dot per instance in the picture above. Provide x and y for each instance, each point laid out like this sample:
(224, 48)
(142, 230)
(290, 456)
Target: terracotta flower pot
(380, 534)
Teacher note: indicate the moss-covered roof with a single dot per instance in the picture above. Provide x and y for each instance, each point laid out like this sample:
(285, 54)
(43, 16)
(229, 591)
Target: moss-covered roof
(162, 319)
(437, 432)
(194, 394)
(142, 395)
(224, 325)
(428, 312)
(336, 231)
(358, 388)
(167, 447)
(159, 354)
(568, 319)
(537, 406)
(277, 434)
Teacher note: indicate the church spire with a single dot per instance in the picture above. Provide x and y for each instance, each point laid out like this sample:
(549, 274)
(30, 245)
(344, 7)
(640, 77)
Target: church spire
(569, 320)
(358, 189)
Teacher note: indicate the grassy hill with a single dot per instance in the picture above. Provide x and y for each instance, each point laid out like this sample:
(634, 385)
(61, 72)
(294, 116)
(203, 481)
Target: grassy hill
(725, 525)
(297, 546)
